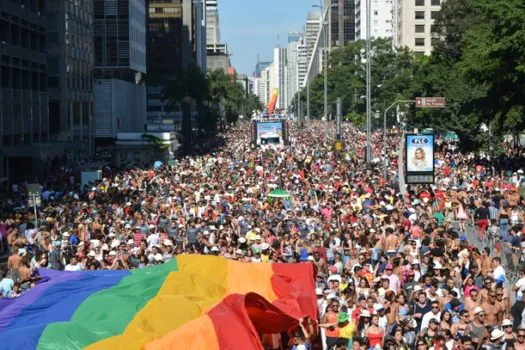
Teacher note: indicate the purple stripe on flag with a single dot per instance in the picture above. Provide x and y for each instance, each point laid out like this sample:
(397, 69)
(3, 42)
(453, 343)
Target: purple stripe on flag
(11, 308)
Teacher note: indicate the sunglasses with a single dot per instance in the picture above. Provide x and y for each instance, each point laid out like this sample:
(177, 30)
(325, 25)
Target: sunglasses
(435, 307)
(521, 335)
(492, 295)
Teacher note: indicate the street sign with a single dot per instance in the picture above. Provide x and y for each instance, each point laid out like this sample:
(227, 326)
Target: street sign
(430, 102)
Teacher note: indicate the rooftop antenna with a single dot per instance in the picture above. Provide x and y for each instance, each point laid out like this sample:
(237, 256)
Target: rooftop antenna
(278, 40)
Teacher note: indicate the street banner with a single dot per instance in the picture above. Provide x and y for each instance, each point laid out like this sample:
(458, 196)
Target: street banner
(419, 159)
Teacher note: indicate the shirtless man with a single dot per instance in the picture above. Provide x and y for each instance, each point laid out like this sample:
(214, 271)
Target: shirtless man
(463, 326)
(13, 263)
(487, 287)
(391, 242)
(493, 310)
(472, 302)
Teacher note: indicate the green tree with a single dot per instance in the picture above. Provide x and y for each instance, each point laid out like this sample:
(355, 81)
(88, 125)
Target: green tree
(186, 88)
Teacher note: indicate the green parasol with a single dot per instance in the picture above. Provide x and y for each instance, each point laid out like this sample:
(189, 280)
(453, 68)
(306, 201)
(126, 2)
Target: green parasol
(279, 194)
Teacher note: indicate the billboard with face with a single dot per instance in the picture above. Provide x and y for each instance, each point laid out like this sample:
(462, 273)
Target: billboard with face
(419, 158)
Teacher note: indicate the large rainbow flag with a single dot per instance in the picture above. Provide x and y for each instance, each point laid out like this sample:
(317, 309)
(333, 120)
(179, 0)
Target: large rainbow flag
(191, 302)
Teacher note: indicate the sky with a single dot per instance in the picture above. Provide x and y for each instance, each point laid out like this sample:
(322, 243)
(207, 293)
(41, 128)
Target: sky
(250, 27)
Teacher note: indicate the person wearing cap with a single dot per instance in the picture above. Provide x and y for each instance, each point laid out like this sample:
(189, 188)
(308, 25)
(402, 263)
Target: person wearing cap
(265, 252)
(497, 341)
(520, 338)
(393, 279)
(506, 326)
(346, 326)
(92, 263)
(477, 326)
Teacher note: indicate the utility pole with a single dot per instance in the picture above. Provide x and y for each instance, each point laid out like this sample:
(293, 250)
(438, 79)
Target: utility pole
(368, 87)
(338, 119)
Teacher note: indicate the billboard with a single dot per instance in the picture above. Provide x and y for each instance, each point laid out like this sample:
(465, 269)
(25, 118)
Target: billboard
(269, 130)
(419, 159)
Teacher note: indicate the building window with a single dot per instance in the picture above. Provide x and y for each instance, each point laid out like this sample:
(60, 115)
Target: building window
(420, 2)
(420, 28)
(434, 28)
(435, 2)
(420, 41)
(420, 15)
(434, 14)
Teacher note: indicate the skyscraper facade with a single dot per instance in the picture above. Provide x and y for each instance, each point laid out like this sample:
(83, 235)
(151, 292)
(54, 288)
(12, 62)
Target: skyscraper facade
(213, 34)
(164, 52)
(311, 32)
(23, 86)
(415, 24)
(280, 62)
(342, 22)
(70, 68)
(382, 19)
(120, 66)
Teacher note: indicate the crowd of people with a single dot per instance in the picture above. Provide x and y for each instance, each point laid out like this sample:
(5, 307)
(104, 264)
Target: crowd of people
(393, 271)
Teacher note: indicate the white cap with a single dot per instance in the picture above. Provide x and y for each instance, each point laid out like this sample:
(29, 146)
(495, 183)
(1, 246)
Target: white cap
(477, 310)
(127, 226)
(130, 242)
(65, 234)
(257, 237)
(496, 334)
(111, 234)
(113, 253)
(311, 258)
(365, 313)
(506, 322)
(91, 254)
(115, 243)
(105, 247)
(214, 249)
(265, 246)
(242, 240)
(416, 262)
(239, 252)
(167, 242)
(206, 233)
(335, 278)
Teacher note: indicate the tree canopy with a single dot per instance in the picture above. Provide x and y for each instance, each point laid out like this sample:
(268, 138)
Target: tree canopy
(478, 65)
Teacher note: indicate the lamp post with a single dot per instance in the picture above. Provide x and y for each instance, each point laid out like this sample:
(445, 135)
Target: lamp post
(368, 87)
(326, 29)
(385, 165)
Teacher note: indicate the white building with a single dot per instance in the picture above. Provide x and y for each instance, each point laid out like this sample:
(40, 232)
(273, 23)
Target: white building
(266, 84)
(213, 34)
(280, 61)
(415, 21)
(382, 19)
(311, 31)
(297, 68)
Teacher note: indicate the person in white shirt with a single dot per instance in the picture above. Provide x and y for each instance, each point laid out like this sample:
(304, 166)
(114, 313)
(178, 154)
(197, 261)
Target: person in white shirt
(73, 265)
(433, 313)
(519, 286)
(499, 271)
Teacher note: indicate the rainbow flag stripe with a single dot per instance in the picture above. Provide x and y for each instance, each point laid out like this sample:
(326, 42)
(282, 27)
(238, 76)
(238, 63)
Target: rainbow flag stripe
(191, 302)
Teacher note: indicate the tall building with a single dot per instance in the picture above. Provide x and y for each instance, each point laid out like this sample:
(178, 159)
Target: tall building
(415, 24)
(260, 66)
(120, 66)
(294, 36)
(213, 33)
(23, 88)
(280, 62)
(382, 19)
(296, 68)
(266, 83)
(342, 22)
(194, 33)
(164, 53)
(311, 32)
(70, 68)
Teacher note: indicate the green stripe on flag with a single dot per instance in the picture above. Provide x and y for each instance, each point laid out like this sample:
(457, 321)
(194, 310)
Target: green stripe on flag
(107, 313)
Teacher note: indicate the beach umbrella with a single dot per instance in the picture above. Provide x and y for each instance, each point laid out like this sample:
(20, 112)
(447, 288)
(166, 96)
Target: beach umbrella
(157, 164)
(279, 194)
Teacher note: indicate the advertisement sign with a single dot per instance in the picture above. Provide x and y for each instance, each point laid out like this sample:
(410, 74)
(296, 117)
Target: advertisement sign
(419, 159)
(269, 130)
